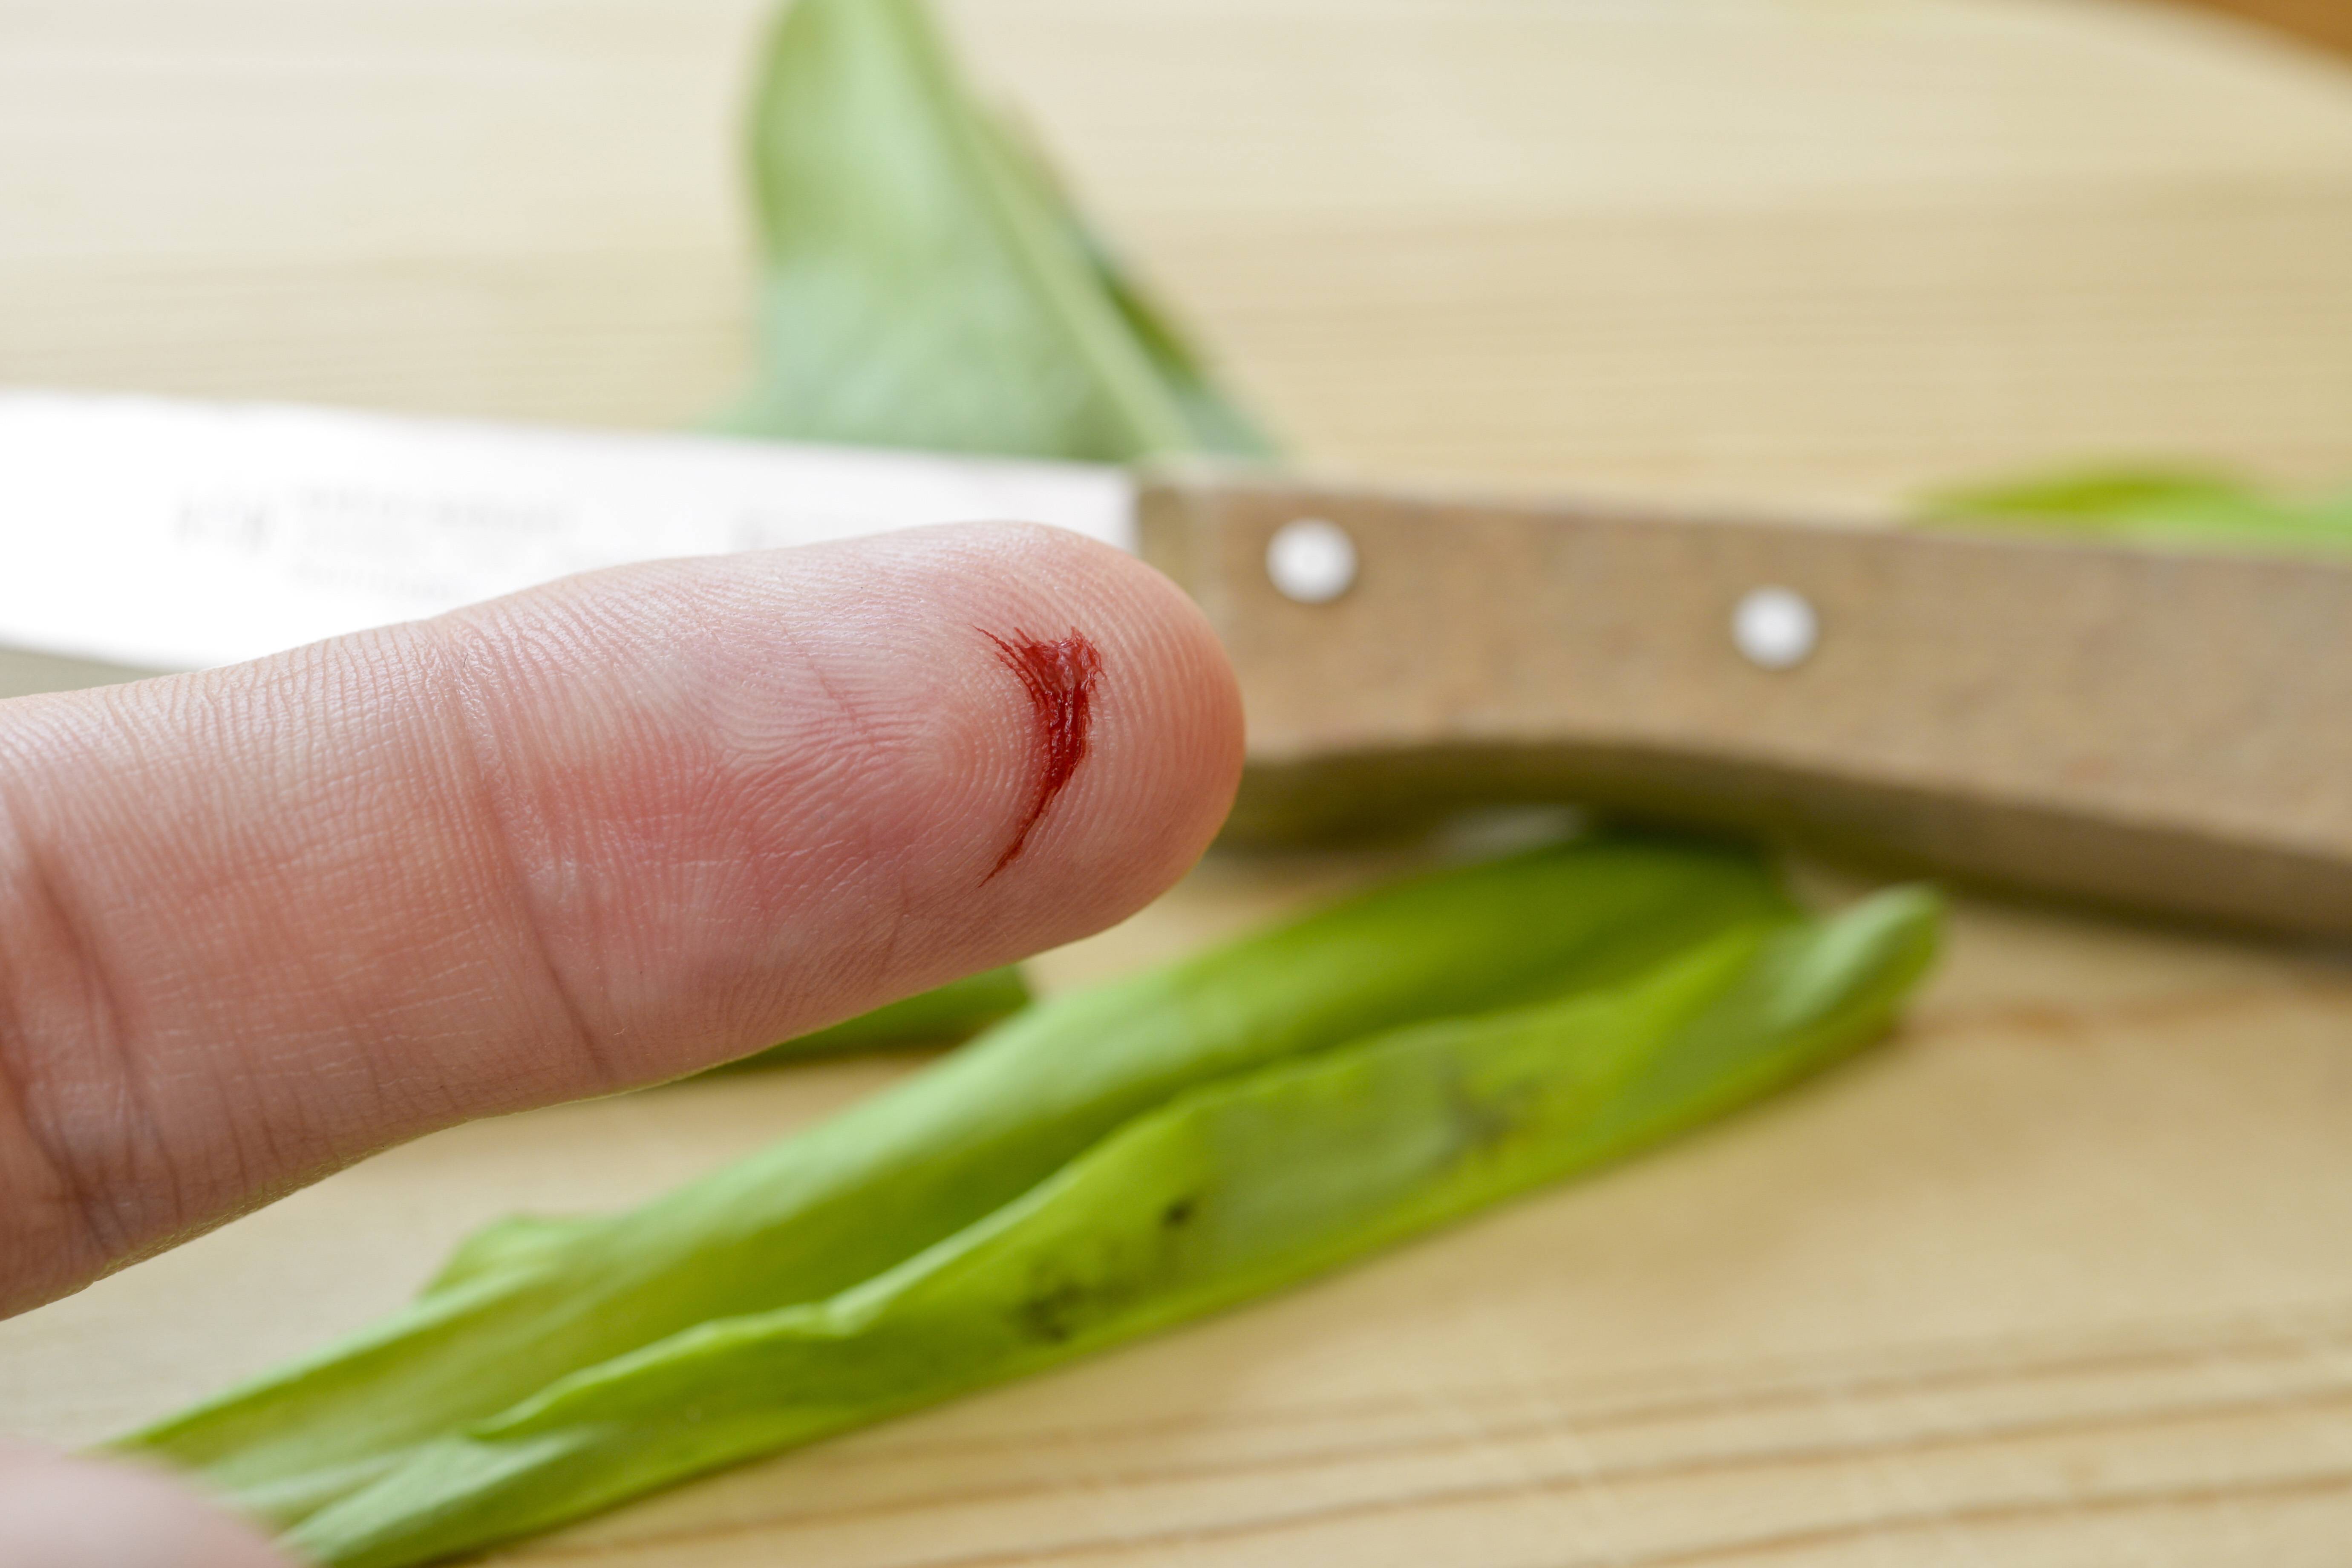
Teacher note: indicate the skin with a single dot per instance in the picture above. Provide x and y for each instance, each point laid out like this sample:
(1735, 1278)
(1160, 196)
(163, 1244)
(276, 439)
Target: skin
(259, 922)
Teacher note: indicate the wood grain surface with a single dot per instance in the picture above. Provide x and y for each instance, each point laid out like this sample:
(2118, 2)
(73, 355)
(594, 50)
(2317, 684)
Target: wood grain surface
(2058, 1278)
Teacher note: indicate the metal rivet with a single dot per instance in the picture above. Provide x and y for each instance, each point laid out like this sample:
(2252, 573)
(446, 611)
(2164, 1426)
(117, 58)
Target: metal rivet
(1311, 560)
(1776, 628)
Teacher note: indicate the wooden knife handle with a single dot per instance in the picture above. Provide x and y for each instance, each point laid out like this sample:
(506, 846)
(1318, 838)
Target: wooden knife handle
(2160, 731)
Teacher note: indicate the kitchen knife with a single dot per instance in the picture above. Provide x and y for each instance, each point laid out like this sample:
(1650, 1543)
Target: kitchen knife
(2161, 731)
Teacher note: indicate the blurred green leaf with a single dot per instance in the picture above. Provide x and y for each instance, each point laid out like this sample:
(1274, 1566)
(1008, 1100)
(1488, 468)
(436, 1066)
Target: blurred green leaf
(943, 1016)
(928, 284)
(2177, 508)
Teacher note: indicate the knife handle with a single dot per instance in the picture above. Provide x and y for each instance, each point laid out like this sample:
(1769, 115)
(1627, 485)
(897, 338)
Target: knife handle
(2158, 731)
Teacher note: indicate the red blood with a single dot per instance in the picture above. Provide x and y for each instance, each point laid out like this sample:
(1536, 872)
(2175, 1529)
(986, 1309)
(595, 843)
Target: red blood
(1059, 677)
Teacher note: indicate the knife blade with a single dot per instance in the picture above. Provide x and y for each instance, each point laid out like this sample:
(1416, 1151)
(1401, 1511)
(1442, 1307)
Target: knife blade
(2161, 732)
(178, 535)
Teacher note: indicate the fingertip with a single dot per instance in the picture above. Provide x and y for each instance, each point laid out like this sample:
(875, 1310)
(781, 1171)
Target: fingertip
(1162, 743)
(1164, 755)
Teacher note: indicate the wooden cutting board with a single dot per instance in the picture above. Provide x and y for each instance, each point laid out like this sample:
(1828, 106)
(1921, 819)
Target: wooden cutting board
(2060, 1278)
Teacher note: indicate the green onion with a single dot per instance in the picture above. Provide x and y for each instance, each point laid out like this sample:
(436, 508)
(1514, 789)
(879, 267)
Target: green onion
(940, 1016)
(1098, 1166)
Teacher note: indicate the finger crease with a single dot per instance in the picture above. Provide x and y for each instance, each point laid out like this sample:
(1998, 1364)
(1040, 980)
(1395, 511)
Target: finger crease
(83, 1194)
(464, 692)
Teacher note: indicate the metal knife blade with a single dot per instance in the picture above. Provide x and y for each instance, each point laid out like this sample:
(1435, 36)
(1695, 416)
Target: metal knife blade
(176, 535)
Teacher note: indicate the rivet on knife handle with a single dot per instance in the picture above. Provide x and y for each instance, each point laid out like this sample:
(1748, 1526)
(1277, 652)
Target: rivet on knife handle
(1310, 560)
(1775, 627)
(2165, 731)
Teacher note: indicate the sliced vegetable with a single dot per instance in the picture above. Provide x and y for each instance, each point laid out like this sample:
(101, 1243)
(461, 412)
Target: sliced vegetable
(1223, 1191)
(942, 1015)
(529, 1303)
(926, 283)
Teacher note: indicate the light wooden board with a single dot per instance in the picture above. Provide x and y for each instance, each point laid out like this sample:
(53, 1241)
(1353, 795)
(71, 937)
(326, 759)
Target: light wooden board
(2058, 1278)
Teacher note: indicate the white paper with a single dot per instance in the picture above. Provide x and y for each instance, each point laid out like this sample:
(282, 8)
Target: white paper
(174, 535)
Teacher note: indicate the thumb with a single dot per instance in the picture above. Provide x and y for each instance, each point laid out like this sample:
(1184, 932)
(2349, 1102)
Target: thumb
(260, 921)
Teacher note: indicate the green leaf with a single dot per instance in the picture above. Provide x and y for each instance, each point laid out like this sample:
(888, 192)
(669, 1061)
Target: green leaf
(927, 284)
(2161, 507)
(839, 1203)
(941, 1016)
(1232, 1189)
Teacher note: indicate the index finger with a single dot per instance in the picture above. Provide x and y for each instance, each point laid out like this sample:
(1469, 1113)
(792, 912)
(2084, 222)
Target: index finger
(256, 923)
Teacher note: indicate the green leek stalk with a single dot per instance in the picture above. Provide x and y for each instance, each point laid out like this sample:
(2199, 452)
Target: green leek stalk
(1223, 1192)
(529, 1303)
(942, 1015)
